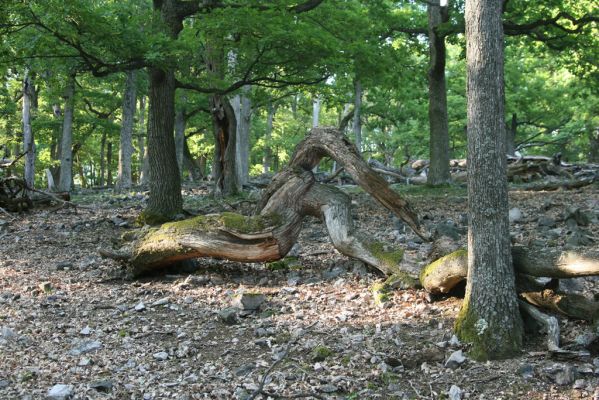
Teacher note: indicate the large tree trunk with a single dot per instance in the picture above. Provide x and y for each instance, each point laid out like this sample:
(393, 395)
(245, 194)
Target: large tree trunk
(291, 196)
(66, 142)
(126, 145)
(438, 173)
(28, 137)
(489, 318)
(357, 127)
(165, 201)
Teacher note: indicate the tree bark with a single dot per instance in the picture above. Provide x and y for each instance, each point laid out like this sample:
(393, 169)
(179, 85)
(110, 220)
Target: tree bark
(66, 142)
(126, 144)
(180, 123)
(357, 126)
(225, 126)
(28, 136)
(438, 173)
(243, 115)
(165, 200)
(144, 166)
(593, 134)
(489, 317)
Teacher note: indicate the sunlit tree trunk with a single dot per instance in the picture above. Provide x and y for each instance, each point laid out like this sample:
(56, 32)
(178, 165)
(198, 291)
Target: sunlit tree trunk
(489, 317)
(102, 158)
(437, 94)
(242, 106)
(109, 163)
(66, 143)
(126, 145)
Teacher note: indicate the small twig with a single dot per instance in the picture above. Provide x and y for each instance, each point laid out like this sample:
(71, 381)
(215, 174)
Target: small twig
(260, 388)
(416, 391)
(13, 162)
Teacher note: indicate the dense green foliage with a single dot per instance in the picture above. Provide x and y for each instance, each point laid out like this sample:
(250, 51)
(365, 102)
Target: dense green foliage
(288, 59)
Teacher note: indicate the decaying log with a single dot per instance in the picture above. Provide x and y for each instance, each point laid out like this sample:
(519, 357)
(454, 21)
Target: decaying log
(555, 264)
(549, 323)
(571, 305)
(269, 235)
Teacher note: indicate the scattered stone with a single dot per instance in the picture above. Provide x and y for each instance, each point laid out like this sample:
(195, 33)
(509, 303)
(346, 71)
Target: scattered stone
(579, 384)
(566, 376)
(546, 222)
(527, 371)
(161, 302)
(248, 301)
(229, 315)
(359, 269)
(84, 362)
(139, 307)
(103, 386)
(7, 333)
(85, 331)
(64, 265)
(579, 237)
(334, 272)
(4, 383)
(88, 263)
(244, 369)
(46, 287)
(161, 356)
(578, 217)
(85, 346)
(454, 341)
(455, 360)
(455, 393)
(449, 229)
(328, 388)
(515, 215)
(60, 392)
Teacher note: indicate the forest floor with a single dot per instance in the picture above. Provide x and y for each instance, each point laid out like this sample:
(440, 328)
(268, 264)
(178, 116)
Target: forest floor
(69, 317)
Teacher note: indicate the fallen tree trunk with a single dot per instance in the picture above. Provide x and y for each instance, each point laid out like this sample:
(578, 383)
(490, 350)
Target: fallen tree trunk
(270, 234)
(445, 273)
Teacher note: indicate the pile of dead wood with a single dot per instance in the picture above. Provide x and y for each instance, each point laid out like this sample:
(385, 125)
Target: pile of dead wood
(533, 172)
(13, 190)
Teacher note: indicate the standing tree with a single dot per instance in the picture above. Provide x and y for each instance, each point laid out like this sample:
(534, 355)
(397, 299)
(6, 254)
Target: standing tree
(489, 317)
(126, 147)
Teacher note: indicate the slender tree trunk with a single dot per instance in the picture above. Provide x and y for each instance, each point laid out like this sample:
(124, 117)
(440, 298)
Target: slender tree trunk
(180, 123)
(126, 147)
(66, 143)
(28, 137)
(192, 165)
(55, 143)
(225, 126)
(437, 95)
(144, 165)
(267, 158)
(243, 114)
(358, 114)
(102, 158)
(109, 163)
(316, 103)
(489, 318)
(511, 135)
